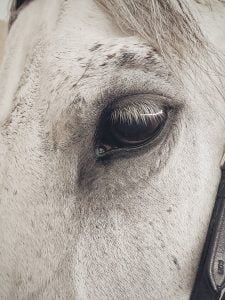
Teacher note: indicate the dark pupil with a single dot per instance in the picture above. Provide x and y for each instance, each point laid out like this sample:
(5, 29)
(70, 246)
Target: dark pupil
(134, 133)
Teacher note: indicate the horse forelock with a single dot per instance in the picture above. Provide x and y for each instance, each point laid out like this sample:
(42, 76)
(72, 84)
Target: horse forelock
(169, 25)
(165, 23)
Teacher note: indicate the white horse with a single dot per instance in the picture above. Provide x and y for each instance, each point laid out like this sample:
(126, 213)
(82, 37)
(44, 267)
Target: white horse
(112, 131)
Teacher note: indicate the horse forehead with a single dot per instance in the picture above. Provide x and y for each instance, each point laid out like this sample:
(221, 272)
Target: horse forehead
(74, 61)
(102, 62)
(123, 50)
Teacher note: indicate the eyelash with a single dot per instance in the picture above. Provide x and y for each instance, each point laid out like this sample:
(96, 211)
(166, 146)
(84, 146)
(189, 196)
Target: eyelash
(134, 114)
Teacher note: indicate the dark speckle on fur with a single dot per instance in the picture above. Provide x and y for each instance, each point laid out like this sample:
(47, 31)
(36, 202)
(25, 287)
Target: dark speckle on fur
(32, 224)
(163, 245)
(150, 223)
(150, 54)
(126, 57)
(104, 64)
(169, 210)
(110, 56)
(85, 76)
(95, 47)
(38, 254)
(175, 261)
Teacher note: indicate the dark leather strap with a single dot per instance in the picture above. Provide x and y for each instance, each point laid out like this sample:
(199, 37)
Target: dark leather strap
(210, 279)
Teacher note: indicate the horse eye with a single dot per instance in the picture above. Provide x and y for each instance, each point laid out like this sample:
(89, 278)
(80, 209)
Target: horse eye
(130, 127)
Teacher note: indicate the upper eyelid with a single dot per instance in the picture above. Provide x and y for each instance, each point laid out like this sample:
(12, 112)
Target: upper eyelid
(141, 101)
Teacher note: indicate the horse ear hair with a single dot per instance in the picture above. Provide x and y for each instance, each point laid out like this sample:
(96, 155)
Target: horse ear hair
(13, 14)
(18, 3)
(15, 9)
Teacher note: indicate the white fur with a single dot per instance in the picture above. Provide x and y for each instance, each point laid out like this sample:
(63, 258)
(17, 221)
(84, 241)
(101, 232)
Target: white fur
(72, 228)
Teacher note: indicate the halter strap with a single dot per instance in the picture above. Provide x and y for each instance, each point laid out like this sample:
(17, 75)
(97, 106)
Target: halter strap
(210, 280)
